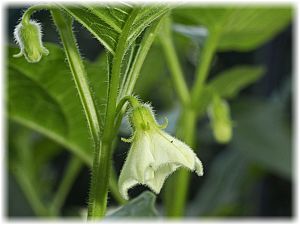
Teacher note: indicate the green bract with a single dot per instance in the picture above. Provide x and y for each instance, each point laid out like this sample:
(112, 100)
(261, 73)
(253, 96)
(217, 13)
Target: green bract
(28, 36)
(154, 154)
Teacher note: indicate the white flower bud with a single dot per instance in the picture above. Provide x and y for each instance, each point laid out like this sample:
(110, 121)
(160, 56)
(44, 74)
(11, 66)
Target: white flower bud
(28, 36)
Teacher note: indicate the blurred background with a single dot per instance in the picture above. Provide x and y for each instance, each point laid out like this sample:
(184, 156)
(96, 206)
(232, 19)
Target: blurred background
(252, 176)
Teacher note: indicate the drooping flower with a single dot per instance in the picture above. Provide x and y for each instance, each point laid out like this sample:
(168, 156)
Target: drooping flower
(28, 36)
(219, 114)
(153, 154)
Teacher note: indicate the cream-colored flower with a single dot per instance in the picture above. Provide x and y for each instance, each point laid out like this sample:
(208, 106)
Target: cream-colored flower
(153, 154)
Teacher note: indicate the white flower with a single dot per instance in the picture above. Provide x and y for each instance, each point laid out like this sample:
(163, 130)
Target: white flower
(153, 154)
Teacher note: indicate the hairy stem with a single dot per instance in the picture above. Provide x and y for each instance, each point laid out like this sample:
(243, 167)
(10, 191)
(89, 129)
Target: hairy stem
(27, 14)
(64, 26)
(100, 169)
(133, 74)
(144, 47)
(102, 159)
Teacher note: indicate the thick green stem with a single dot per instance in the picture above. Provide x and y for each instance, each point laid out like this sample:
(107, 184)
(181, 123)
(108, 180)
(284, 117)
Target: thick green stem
(99, 182)
(69, 177)
(102, 160)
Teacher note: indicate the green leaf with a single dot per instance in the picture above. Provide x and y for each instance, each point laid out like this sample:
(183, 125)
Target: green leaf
(43, 97)
(230, 82)
(240, 28)
(141, 206)
(106, 22)
(263, 135)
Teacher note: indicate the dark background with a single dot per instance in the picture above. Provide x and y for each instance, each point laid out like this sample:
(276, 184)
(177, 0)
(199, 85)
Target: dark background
(273, 193)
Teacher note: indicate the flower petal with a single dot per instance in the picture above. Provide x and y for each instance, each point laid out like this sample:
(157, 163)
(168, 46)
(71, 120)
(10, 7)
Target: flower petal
(198, 167)
(169, 150)
(161, 174)
(136, 167)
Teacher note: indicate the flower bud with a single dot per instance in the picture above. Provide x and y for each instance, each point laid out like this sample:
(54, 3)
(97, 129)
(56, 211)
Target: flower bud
(219, 114)
(28, 36)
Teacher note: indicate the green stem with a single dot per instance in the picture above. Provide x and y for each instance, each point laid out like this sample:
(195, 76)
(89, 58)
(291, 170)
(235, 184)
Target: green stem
(143, 50)
(69, 176)
(115, 75)
(173, 63)
(187, 126)
(131, 99)
(178, 184)
(27, 14)
(204, 65)
(133, 74)
(102, 160)
(64, 26)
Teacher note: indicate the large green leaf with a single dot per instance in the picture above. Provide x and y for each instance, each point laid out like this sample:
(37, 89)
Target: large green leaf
(141, 206)
(106, 22)
(43, 96)
(240, 28)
